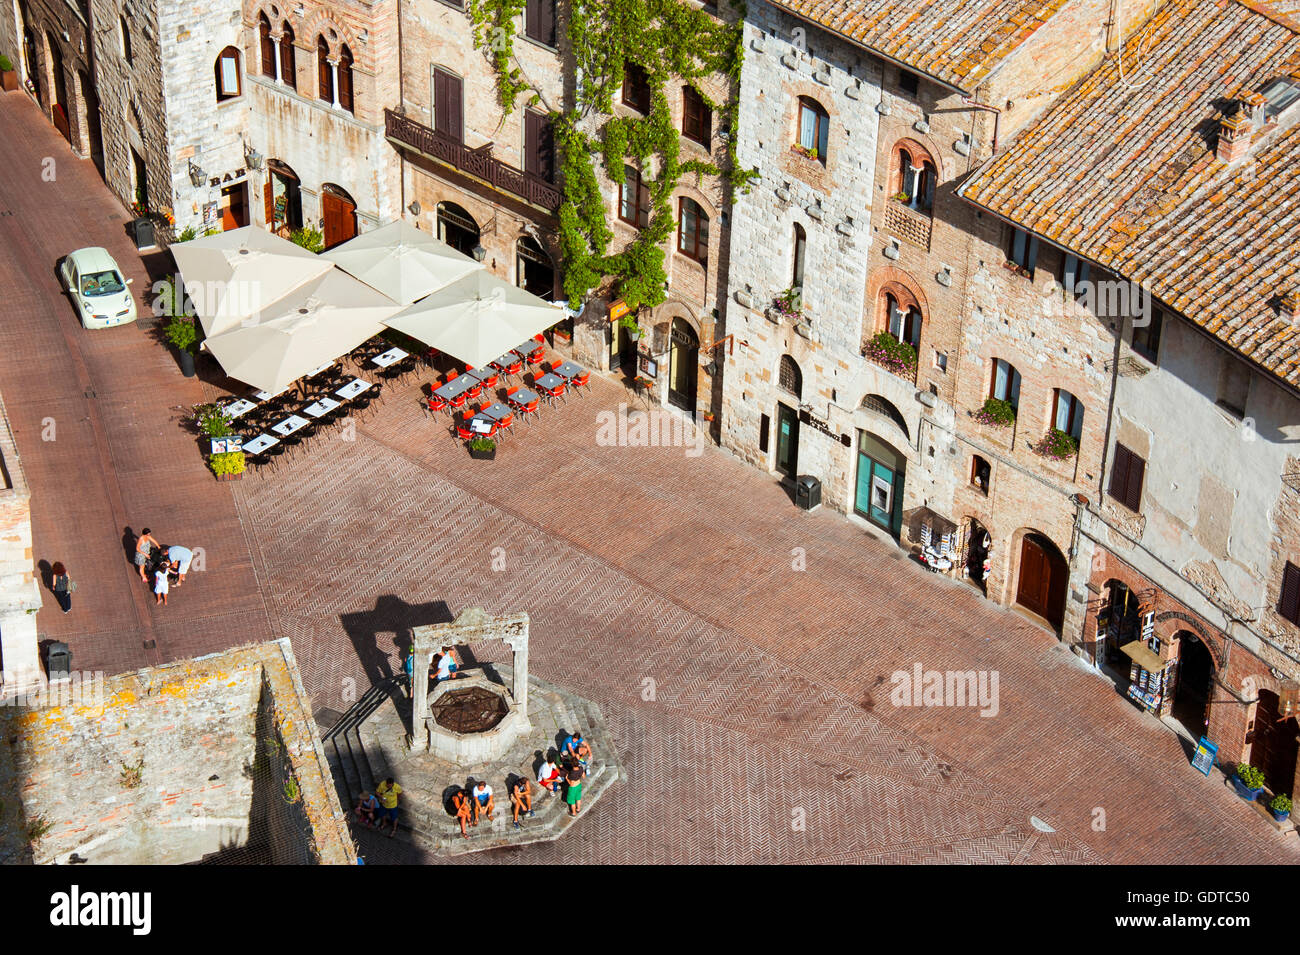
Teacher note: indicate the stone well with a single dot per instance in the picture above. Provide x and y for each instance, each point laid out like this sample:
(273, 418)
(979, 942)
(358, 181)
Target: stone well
(473, 719)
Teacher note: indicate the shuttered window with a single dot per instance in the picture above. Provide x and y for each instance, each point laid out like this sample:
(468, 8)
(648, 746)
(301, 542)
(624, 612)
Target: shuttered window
(539, 145)
(1023, 249)
(345, 80)
(539, 21)
(447, 115)
(636, 88)
(267, 45)
(1126, 474)
(1289, 606)
(697, 118)
(634, 199)
(288, 62)
(324, 74)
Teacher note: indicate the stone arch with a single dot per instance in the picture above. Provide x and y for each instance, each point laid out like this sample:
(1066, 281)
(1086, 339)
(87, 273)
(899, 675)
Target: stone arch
(889, 278)
(1188, 622)
(320, 23)
(919, 147)
(885, 409)
(662, 315)
(1048, 599)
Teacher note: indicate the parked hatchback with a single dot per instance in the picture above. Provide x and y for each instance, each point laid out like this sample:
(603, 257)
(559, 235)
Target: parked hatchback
(96, 286)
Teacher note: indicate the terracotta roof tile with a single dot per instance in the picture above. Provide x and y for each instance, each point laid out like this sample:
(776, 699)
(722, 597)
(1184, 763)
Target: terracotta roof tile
(957, 41)
(1122, 171)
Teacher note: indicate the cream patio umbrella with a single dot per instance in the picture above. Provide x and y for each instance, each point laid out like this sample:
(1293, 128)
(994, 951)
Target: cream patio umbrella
(401, 261)
(236, 274)
(476, 318)
(311, 326)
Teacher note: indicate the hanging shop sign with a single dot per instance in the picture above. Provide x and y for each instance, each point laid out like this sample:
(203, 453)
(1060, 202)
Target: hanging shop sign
(1203, 758)
(817, 424)
(617, 310)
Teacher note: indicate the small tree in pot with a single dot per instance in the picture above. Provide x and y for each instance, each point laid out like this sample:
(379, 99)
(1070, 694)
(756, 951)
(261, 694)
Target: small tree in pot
(1249, 781)
(182, 335)
(1280, 807)
(8, 75)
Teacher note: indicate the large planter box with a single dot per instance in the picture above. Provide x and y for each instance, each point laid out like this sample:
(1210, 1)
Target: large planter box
(8, 80)
(483, 455)
(230, 477)
(1244, 791)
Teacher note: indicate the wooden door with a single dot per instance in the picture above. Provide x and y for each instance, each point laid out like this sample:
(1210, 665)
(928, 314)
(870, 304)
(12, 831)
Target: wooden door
(1035, 577)
(1274, 748)
(340, 219)
(234, 207)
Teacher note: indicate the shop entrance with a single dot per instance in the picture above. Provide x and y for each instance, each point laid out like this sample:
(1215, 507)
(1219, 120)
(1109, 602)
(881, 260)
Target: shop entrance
(457, 228)
(338, 215)
(59, 108)
(1043, 576)
(879, 493)
(684, 366)
(32, 62)
(234, 206)
(282, 199)
(1274, 748)
(1192, 697)
(978, 544)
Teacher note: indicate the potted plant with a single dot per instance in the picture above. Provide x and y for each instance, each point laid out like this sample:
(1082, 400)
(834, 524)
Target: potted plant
(182, 335)
(632, 326)
(313, 240)
(996, 412)
(706, 415)
(805, 151)
(482, 449)
(8, 75)
(789, 304)
(1248, 781)
(228, 466)
(895, 356)
(561, 334)
(1057, 445)
(1280, 807)
(901, 197)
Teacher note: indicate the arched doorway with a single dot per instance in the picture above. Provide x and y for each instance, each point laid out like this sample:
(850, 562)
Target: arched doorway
(534, 271)
(979, 544)
(58, 108)
(457, 228)
(338, 213)
(684, 365)
(1192, 694)
(878, 493)
(1043, 576)
(789, 380)
(1274, 747)
(282, 197)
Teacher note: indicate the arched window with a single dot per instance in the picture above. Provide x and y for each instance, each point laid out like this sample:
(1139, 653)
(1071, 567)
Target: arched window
(814, 129)
(324, 71)
(693, 231)
(1067, 413)
(914, 177)
(457, 228)
(789, 377)
(880, 405)
(634, 198)
(227, 72)
(288, 63)
(534, 271)
(903, 323)
(1004, 384)
(124, 38)
(800, 247)
(345, 80)
(266, 46)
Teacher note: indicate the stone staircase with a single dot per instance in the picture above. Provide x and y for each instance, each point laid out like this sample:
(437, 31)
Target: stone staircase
(369, 743)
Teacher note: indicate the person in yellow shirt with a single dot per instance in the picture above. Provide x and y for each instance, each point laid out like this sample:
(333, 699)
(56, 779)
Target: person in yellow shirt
(388, 791)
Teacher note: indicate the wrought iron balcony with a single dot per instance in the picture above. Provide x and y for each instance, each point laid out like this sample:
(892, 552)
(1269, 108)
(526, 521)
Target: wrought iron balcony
(477, 163)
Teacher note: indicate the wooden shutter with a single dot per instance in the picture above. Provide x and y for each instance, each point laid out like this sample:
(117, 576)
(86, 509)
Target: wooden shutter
(642, 202)
(324, 80)
(539, 146)
(345, 80)
(268, 198)
(1126, 475)
(1289, 605)
(447, 116)
(1136, 472)
(268, 47)
(288, 62)
(539, 21)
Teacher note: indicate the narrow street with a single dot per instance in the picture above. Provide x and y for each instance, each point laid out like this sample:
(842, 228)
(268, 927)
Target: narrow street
(749, 691)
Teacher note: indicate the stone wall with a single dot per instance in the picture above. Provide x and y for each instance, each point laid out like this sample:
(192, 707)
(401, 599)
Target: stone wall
(20, 595)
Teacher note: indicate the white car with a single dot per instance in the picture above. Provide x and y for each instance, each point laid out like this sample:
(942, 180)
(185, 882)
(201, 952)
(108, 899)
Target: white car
(96, 286)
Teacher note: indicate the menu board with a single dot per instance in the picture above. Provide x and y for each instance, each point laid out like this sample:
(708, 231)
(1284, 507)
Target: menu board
(1203, 758)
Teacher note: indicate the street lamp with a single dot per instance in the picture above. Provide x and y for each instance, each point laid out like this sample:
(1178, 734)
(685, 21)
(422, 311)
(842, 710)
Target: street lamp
(197, 175)
(479, 253)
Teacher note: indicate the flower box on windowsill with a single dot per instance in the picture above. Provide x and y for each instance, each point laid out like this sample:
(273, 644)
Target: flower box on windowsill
(898, 358)
(1018, 269)
(996, 413)
(1057, 447)
(806, 153)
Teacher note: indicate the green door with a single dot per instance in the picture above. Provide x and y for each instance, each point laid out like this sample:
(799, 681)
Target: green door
(787, 441)
(878, 495)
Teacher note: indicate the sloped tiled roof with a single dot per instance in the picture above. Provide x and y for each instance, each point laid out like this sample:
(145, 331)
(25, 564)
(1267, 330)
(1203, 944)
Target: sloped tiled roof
(1122, 171)
(957, 41)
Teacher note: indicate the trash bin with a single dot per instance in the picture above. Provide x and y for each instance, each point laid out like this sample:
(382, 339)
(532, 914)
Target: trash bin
(59, 661)
(142, 231)
(807, 492)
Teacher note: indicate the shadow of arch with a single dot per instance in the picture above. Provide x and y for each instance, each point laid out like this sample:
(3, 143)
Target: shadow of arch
(386, 626)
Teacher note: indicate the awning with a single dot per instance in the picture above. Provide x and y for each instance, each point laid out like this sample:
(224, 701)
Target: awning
(401, 261)
(1141, 654)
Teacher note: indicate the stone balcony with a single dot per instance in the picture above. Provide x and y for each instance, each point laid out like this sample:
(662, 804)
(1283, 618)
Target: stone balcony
(476, 164)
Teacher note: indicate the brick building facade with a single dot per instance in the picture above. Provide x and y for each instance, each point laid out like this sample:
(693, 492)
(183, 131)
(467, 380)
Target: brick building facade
(20, 597)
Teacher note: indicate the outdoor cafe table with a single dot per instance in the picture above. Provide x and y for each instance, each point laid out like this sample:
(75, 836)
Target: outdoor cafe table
(241, 407)
(568, 371)
(267, 396)
(523, 396)
(549, 380)
(527, 348)
(457, 386)
(390, 357)
(321, 407)
(289, 425)
(260, 444)
(497, 410)
(316, 371)
(505, 361)
(352, 389)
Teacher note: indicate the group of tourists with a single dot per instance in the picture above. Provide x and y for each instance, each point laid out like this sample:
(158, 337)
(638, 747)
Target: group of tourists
(568, 769)
(161, 564)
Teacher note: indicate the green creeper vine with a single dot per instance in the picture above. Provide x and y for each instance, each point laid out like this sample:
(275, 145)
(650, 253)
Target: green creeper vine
(668, 40)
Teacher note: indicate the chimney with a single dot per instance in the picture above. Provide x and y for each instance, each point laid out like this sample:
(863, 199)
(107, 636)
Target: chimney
(1290, 302)
(1234, 136)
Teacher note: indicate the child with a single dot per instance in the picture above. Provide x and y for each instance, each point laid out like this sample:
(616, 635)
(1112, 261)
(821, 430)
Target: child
(160, 586)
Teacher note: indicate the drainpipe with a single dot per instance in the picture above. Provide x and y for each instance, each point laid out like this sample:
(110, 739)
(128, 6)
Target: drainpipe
(401, 105)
